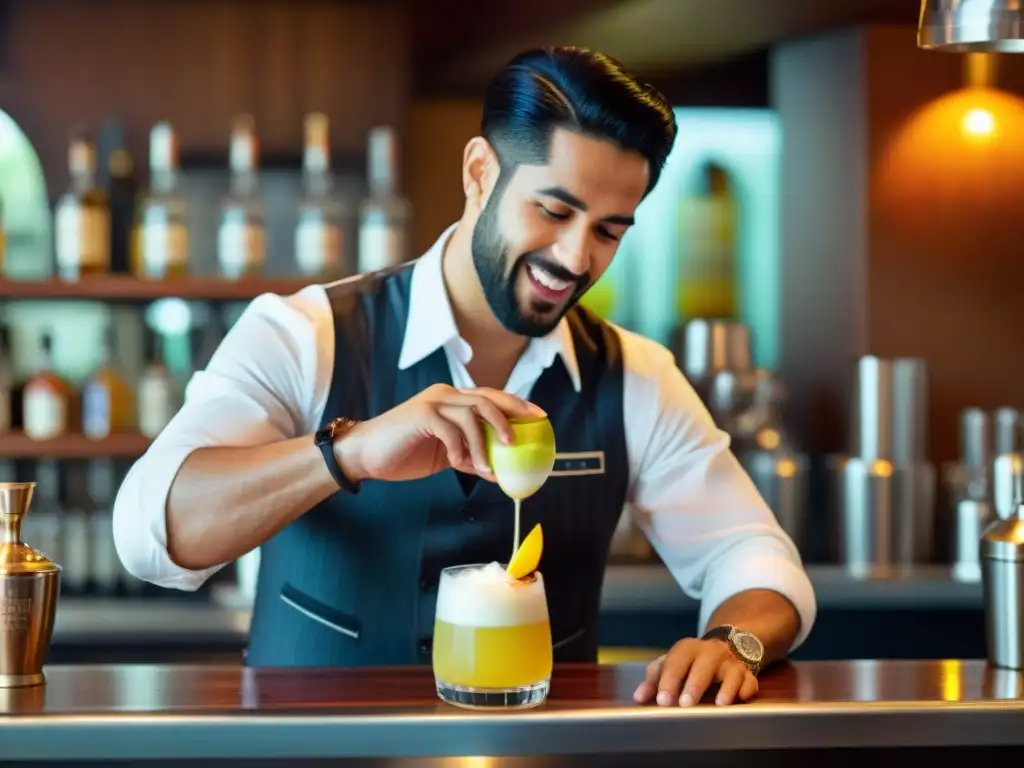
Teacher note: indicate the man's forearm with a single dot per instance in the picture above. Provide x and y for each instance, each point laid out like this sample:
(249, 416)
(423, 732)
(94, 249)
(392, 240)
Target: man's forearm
(225, 502)
(765, 613)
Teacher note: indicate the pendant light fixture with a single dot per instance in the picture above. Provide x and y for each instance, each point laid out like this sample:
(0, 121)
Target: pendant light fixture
(961, 26)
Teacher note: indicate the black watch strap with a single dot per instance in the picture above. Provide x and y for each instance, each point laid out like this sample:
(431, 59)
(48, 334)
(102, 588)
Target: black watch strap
(324, 439)
(721, 632)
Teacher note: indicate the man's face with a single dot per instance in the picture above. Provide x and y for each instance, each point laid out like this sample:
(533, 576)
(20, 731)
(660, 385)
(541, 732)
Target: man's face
(544, 237)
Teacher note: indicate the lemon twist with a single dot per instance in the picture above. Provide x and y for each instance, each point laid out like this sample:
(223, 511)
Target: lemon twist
(526, 560)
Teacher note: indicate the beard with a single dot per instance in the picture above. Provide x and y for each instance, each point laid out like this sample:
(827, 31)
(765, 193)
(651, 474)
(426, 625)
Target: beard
(490, 255)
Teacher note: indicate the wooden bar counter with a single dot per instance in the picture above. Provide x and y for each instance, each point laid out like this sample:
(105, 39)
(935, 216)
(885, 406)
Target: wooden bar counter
(392, 717)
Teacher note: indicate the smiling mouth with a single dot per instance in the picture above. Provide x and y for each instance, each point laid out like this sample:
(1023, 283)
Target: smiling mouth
(547, 286)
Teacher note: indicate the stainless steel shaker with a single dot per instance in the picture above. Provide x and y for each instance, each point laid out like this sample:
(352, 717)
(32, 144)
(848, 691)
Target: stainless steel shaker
(1002, 555)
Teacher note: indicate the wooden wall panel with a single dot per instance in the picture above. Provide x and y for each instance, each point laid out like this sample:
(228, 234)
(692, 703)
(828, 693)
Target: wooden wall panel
(863, 274)
(945, 272)
(438, 132)
(199, 64)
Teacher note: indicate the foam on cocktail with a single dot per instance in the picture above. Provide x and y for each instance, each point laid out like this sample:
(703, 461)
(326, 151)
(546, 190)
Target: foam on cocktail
(489, 597)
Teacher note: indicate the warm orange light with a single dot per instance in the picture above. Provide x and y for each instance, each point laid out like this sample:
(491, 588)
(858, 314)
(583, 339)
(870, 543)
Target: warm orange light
(961, 152)
(978, 123)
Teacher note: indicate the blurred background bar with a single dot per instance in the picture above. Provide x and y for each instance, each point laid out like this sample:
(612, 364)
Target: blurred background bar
(832, 254)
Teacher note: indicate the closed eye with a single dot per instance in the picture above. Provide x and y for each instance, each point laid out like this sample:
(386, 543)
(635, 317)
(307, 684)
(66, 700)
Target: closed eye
(551, 214)
(604, 233)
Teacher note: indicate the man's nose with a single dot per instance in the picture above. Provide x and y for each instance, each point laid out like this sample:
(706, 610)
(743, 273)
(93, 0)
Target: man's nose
(572, 251)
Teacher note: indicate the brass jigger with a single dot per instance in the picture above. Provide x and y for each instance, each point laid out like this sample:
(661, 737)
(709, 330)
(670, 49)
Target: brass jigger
(29, 589)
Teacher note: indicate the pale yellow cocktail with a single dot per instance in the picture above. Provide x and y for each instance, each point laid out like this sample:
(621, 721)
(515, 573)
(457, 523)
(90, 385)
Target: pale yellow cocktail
(492, 638)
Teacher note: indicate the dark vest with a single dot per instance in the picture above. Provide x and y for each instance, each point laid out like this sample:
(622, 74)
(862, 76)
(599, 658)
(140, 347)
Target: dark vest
(354, 581)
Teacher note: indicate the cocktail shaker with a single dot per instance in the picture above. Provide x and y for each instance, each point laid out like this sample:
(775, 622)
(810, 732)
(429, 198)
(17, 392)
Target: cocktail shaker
(1002, 553)
(29, 589)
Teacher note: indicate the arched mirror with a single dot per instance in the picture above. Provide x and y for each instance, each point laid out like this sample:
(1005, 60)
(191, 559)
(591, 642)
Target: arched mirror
(25, 206)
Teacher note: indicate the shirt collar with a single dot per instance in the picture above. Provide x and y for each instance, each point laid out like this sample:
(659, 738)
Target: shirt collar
(431, 323)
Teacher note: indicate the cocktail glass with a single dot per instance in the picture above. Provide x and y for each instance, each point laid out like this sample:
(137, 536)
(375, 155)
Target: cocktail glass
(492, 638)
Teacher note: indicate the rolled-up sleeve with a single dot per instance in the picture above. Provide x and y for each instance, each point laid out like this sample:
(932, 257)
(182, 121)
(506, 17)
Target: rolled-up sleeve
(262, 385)
(692, 499)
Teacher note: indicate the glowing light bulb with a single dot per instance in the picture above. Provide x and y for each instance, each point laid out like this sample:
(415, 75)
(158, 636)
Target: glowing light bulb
(978, 123)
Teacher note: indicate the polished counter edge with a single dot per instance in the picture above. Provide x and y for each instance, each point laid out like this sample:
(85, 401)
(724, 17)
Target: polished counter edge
(132, 712)
(586, 732)
(627, 589)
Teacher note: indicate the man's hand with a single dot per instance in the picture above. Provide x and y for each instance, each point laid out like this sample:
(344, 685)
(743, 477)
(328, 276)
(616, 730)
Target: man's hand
(440, 427)
(683, 675)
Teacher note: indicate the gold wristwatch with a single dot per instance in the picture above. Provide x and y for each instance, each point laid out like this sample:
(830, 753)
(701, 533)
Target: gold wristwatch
(744, 645)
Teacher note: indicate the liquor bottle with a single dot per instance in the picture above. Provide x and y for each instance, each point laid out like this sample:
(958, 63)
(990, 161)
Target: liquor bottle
(384, 215)
(241, 238)
(156, 391)
(121, 191)
(318, 235)
(6, 381)
(106, 398)
(100, 490)
(82, 218)
(161, 232)
(47, 398)
(74, 526)
(708, 230)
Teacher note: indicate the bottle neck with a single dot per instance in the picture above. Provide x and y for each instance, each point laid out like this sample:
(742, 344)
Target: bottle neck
(83, 180)
(244, 183)
(46, 359)
(164, 181)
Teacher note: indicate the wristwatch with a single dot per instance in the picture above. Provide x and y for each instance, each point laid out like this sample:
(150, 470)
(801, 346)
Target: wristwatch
(324, 439)
(744, 645)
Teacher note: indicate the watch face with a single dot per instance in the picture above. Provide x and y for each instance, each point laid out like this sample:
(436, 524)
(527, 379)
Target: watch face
(748, 645)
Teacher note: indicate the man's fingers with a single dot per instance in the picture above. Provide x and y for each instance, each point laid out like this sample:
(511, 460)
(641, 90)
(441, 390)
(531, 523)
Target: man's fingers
(731, 676)
(511, 405)
(678, 664)
(703, 671)
(749, 688)
(646, 690)
(686, 672)
(468, 423)
(450, 434)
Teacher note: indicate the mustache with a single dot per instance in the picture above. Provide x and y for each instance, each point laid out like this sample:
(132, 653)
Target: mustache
(555, 269)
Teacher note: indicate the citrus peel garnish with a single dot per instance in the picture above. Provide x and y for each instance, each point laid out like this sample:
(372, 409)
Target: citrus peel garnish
(526, 560)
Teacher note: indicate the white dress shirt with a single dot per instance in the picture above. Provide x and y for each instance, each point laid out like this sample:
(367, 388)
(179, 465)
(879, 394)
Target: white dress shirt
(268, 381)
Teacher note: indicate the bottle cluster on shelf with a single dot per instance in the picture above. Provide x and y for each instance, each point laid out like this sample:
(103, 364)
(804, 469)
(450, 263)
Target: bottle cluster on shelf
(71, 522)
(104, 226)
(46, 406)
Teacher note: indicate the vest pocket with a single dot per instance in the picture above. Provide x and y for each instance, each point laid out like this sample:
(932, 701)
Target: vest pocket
(319, 612)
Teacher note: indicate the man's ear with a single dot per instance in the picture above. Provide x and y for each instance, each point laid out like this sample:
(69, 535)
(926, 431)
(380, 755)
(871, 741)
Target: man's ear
(480, 170)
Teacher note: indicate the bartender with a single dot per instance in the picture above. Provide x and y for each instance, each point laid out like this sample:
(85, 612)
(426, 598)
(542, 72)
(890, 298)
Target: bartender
(339, 429)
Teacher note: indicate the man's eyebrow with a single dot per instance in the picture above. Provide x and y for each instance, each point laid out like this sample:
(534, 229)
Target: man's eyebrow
(567, 197)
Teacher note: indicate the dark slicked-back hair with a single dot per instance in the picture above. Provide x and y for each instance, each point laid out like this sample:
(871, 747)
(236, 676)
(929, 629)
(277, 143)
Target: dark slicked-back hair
(580, 90)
